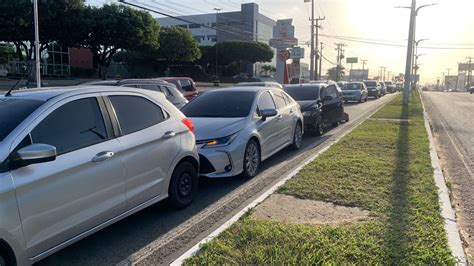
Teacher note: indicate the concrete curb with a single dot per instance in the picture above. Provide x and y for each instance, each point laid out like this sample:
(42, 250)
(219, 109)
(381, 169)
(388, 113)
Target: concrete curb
(450, 225)
(193, 250)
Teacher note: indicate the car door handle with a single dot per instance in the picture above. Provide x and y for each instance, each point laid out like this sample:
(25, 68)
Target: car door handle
(102, 156)
(169, 135)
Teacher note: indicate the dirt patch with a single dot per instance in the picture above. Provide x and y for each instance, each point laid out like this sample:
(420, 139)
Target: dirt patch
(284, 208)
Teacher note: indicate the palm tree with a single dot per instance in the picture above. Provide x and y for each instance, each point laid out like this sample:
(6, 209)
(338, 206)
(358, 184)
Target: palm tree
(336, 73)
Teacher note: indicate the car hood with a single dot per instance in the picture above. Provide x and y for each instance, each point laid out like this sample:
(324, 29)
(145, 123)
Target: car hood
(216, 127)
(306, 105)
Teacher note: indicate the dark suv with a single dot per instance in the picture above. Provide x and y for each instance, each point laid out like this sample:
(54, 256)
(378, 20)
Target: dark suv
(374, 88)
(321, 105)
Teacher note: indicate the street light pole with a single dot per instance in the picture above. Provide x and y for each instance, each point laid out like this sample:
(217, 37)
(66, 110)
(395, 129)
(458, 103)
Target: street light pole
(217, 27)
(37, 49)
(408, 65)
(313, 52)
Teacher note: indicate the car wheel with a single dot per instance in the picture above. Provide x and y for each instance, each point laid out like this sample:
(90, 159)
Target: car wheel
(183, 185)
(297, 137)
(251, 159)
(319, 129)
(335, 124)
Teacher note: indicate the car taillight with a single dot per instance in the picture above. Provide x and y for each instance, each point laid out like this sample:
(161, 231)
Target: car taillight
(188, 123)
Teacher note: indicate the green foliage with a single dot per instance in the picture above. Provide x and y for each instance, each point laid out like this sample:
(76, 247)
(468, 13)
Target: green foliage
(7, 53)
(178, 45)
(115, 27)
(384, 167)
(236, 52)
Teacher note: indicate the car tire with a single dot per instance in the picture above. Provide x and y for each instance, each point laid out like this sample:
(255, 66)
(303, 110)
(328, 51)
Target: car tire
(319, 128)
(297, 137)
(183, 185)
(252, 159)
(335, 124)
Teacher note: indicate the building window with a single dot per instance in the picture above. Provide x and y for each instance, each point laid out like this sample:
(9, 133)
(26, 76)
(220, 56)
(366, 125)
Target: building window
(194, 26)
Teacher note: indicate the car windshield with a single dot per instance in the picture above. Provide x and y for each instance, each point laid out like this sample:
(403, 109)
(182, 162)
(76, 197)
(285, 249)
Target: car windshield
(351, 87)
(303, 93)
(220, 104)
(370, 83)
(13, 112)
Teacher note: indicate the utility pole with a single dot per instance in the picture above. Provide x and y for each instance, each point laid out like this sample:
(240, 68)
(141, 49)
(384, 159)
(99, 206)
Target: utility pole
(340, 54)
(37, 48)
(315, 24)
(409, 60)
(363, 67)
(444, 80)
(469, 71)
(447, 76)
(320, 61)
(217, 57)
(312, 53)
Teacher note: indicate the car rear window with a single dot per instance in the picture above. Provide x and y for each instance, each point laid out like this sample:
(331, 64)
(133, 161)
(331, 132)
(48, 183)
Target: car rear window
(220, 104)
(370, 83)
(351, 87)
(303, 93)
(13, 112)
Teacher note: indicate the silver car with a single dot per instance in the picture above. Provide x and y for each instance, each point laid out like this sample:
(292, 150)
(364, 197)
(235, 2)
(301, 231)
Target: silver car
(355, 91)
(171, 92)
(238, 128)
(73, 161)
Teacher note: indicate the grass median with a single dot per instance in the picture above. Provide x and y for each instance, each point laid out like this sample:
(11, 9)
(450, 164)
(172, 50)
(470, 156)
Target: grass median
(384, 167)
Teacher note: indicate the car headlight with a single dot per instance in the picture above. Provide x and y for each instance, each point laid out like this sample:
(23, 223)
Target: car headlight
(219, 142)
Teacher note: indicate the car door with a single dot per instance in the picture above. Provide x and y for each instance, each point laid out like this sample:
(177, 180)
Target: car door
(150, 141)
(284, 116)
(83, 187)
(269, 129)
(331, 107)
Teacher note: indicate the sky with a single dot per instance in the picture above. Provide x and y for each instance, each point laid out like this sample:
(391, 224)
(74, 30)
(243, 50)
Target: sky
(373, 30)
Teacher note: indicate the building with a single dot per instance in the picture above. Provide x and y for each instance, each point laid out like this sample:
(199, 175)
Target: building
(248, 24)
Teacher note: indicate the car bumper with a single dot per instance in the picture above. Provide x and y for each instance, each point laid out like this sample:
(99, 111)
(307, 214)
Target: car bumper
(352, 97)
(222, 161)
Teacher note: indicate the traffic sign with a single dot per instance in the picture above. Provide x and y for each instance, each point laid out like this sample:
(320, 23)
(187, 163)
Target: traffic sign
(297, 52)
(284, 55)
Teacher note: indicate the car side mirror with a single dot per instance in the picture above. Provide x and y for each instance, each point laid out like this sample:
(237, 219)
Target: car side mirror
(33, 154)
(327, 98)
(268, 113)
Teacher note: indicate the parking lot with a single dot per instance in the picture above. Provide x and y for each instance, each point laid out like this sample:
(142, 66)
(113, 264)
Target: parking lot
(157, 235)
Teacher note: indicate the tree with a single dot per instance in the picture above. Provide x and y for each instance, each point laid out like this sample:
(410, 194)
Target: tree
(400, 77)
(116, 27)
(7, 52)
(240, 53)
(336, 73)
(177, 45)
(59, 21)
(266, 69)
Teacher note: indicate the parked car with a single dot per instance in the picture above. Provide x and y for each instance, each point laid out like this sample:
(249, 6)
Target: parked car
(471, 89)
(185, 85)
(320, 104)
(373, 87)
(73, 161)
(169, 90)
(270, 84)
(383, 88)
(399, 86)
(391, 87)
(355, 91)
(239, 127)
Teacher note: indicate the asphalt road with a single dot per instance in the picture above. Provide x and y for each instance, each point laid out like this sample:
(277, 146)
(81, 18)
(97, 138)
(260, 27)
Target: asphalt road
(452, 120)
(158, 235)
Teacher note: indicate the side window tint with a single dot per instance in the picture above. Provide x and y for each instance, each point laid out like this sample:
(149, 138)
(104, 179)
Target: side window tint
(324, 92)
(73, 126)
(279, 99)
(166, 91)
(265, 101)
(135, 113)
(332, 91)
(186, 85)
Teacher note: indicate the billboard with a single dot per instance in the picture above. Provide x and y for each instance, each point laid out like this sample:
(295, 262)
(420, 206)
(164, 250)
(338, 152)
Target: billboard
(451, 82)
(297, 53)
(465, 67)
(358, 74)
(352, 60)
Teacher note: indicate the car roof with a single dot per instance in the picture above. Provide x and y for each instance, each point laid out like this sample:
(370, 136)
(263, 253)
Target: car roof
(243, 88)
(305, 85)
(47, 93)
(174, 78)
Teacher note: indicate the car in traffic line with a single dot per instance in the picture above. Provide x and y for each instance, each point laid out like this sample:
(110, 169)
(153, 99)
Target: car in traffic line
(383, 88)
(320, 104)
(186, 85)
(355, 91)
(73, 161)
(239, 127)
(373, 88)
(168, 89)
(391, 87)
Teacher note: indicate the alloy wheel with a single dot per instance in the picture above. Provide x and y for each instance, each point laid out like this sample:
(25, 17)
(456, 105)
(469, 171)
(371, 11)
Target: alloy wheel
(252, 159)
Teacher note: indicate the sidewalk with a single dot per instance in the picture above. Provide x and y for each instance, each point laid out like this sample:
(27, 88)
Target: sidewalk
(370, 199)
